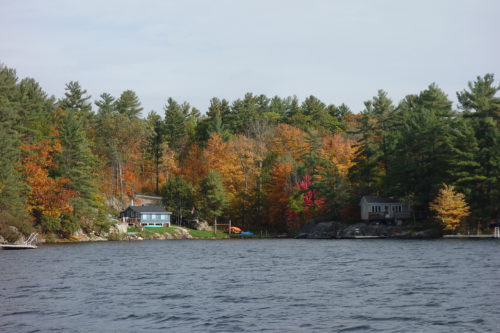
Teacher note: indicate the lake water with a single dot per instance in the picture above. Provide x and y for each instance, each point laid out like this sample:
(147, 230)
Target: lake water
(253, 285)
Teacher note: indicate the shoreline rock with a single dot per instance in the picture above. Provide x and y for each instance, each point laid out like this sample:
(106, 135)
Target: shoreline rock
(315, 229)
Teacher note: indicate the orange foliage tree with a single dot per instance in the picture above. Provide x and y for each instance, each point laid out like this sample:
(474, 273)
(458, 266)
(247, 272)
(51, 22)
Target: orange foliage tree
(279, 191)
(48, 196)
(450, 207)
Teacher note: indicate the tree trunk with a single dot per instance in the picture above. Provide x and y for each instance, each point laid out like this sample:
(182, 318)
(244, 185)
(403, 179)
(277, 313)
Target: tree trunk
(157, 173)
(120, 178)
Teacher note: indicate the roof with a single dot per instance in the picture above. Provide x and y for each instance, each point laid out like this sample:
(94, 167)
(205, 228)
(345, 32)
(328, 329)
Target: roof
(375, 199)
(148, 209)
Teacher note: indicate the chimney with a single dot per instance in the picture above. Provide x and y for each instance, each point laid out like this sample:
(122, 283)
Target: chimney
(131, 202)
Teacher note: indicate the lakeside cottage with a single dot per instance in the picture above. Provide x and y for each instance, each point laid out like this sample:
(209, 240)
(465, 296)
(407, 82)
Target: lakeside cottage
(146, 216)
(375, 208)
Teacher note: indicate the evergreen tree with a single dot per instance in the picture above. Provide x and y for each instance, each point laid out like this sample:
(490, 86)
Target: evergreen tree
(178, 197)
(175, 124)
(106, 105)
(76, 98)
(371, 161)
(129, 104)
(482, 107)
(213, 196)
(34, 110)
(12, 188)
(156, 143)
(76, 162)
(421, 155)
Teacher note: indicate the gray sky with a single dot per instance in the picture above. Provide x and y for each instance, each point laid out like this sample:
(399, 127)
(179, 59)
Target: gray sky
(339, 51)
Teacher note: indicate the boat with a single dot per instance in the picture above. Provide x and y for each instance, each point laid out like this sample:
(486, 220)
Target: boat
(28, 244)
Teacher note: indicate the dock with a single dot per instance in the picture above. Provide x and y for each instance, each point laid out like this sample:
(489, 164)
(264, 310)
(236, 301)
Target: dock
(17, 247)
(468, 236)
(28, 244)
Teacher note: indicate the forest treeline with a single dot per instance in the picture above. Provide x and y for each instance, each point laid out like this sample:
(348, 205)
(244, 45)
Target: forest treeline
(265, 163)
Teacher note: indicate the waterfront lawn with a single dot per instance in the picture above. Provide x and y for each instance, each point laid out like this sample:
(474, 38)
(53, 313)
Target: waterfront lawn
(171, 230)
(206, 234)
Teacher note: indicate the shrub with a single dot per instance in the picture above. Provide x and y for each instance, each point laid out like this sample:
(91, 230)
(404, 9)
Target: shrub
(50, 224)
(10, 235)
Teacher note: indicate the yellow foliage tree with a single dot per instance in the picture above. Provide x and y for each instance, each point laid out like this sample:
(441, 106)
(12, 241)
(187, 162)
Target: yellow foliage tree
(450, 207)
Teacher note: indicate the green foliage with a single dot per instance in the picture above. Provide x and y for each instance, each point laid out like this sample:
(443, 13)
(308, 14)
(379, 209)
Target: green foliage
(155, 143)
(106, 105)
(482, 111)
(175, 124)
(178, 198)
(213, 196)
(76, 100)
(50, 224)
(206, 234)
(69, 224)
(76, 161)
(296, 202)
(8, 234)
(403, 151)
(128, 104)
(102, 226)
(12, 188)
(420, 151)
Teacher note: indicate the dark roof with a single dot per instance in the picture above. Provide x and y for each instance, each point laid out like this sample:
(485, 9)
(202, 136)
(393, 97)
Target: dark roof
(376, 199)
(149, 209)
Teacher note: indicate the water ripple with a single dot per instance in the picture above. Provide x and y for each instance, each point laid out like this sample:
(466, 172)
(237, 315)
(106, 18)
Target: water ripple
(252, 286)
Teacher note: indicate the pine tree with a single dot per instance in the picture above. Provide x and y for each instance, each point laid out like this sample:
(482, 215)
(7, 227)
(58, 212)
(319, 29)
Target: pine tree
(175, 124)
(156, 142)
(76, 98)
(12, 187)
(178, 197)
(106, 105)
(482, 107)
(76, 162)
(129, 104)
(421, 153)
(213, 196)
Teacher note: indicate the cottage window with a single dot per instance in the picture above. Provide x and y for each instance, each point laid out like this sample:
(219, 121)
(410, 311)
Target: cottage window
(146, 217)
(163, 216)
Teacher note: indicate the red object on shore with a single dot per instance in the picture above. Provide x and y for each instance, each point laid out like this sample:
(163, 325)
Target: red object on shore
(234, 230)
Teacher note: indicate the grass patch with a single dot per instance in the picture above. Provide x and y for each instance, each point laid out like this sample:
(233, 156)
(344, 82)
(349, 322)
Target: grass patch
(206, 234)
(171, 230)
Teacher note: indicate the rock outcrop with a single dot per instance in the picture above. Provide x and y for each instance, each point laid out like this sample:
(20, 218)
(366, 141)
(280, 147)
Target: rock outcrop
(319, 229)
(198, 224)
(118, 228)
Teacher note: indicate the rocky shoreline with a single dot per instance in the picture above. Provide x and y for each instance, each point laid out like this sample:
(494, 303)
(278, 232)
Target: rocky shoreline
(313, 229)
(318, 229)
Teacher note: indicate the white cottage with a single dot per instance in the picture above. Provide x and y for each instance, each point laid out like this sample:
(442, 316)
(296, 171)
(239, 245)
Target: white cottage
(380, 208)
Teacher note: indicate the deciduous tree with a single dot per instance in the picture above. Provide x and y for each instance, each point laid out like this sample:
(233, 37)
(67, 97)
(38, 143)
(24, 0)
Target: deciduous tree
(450, 208)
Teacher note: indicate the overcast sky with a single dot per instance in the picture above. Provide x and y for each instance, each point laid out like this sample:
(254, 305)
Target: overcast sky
(339, 51)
